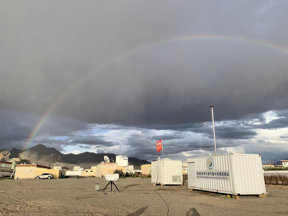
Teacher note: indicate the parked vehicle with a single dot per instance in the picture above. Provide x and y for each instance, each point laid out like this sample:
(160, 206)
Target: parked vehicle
(44, 176)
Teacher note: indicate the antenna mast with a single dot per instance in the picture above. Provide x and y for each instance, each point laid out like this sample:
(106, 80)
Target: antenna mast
(213, 128)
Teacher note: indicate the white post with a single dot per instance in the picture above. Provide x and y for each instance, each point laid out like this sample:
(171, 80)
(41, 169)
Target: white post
(162, 147)
(213, 128)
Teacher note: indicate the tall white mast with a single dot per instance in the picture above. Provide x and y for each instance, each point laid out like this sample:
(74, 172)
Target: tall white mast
(213, 128)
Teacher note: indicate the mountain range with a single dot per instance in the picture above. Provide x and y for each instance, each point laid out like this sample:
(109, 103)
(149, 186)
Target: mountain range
(43, 155)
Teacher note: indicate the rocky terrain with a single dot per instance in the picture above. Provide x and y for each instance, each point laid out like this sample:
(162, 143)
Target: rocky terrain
(43, 155)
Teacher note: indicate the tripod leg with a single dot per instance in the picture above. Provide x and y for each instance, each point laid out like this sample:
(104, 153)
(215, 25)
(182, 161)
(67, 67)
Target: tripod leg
(106, 186)
(116, 187)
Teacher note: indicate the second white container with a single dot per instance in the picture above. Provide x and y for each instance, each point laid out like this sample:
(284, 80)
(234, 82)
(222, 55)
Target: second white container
(166, 172)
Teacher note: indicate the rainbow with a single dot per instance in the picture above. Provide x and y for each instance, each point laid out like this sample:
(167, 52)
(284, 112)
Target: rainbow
(142, 48)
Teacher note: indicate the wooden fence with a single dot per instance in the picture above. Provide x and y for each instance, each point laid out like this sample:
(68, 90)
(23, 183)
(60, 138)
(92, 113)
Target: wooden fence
(276, 180)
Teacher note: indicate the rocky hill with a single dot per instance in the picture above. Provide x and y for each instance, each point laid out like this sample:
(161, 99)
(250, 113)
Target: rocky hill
(48, 156)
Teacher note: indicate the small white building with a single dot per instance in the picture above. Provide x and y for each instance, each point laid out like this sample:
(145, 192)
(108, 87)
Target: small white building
(282, 163)
(57, 167)
(129, 169)
(122, 160)
(167, 172)
(76, 168)
(73, 173)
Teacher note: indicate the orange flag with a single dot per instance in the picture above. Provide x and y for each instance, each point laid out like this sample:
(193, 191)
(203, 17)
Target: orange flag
(159, 145)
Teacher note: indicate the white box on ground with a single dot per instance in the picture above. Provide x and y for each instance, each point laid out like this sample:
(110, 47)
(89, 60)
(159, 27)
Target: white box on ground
(166, 172)
(237, 174)
(112, 177)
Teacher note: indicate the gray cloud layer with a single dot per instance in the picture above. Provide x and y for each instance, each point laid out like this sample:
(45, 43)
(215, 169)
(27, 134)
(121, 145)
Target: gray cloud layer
(46, 51)
(50, 47)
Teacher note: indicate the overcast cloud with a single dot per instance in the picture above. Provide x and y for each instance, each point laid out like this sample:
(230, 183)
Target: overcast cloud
(77, 56)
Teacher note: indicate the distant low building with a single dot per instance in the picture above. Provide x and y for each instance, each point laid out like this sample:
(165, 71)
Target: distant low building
(58, 167)
(146, 169)
(78, 168)
(15, 159)
(129, 169)
(282, 163)
(88, 172)
(5, 166)
(4, 155)
(107, 168)
(30, 171)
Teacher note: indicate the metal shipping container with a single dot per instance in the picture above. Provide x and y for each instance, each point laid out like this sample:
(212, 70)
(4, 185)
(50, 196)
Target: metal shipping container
(237, 174)
(166, 172)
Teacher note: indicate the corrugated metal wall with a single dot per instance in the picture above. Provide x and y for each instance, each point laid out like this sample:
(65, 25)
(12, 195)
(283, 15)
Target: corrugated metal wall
(167, 172)
(172, 172)
(153, 172)
(248, 175)
(221, 164)
(230, 173)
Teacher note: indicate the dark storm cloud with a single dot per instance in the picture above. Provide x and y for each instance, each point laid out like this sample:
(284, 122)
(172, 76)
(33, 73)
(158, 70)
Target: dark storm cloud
(13, 132)
(145, 148)
(93, 140)
(172, 136)
(233, 132)
(274, 124)
(280, 122)
(273, 155)
(284, 137)
(74, 140)
(49, 47)
(166, 84)
(14, 129)
(225, 130)
(62, 126)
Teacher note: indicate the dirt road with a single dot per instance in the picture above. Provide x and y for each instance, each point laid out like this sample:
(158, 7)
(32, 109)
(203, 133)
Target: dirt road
(73, 196)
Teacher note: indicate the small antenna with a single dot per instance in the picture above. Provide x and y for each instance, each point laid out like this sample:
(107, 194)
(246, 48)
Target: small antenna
(213, 128)
(106, 159)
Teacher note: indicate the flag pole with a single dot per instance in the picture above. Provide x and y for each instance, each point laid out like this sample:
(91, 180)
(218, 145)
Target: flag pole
(213, 128)
(162, 147)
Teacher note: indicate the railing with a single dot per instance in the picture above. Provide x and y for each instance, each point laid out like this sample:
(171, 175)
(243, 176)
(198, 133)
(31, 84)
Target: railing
(276, 180)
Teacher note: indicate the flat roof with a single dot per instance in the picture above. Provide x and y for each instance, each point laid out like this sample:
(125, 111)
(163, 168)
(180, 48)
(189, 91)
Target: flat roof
(32, 165)
(5, 162)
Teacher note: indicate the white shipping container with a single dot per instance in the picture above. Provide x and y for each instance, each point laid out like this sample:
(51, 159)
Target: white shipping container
(166, 172)
(237, 174)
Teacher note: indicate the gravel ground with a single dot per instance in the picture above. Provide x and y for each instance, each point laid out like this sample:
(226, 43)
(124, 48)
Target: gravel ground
(73, 196)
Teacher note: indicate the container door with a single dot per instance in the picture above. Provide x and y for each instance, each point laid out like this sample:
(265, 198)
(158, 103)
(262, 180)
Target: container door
(191, 174)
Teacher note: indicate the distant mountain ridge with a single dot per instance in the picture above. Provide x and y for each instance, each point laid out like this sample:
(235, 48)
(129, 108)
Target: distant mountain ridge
(48, 156)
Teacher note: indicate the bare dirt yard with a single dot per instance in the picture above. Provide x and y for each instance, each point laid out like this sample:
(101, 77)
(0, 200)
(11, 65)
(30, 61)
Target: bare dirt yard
(72, 196)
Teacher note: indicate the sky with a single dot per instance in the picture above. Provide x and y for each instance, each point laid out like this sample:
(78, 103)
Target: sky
(115, 77)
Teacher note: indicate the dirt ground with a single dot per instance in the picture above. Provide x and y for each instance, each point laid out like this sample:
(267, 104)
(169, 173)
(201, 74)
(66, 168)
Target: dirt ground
(73, 196)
